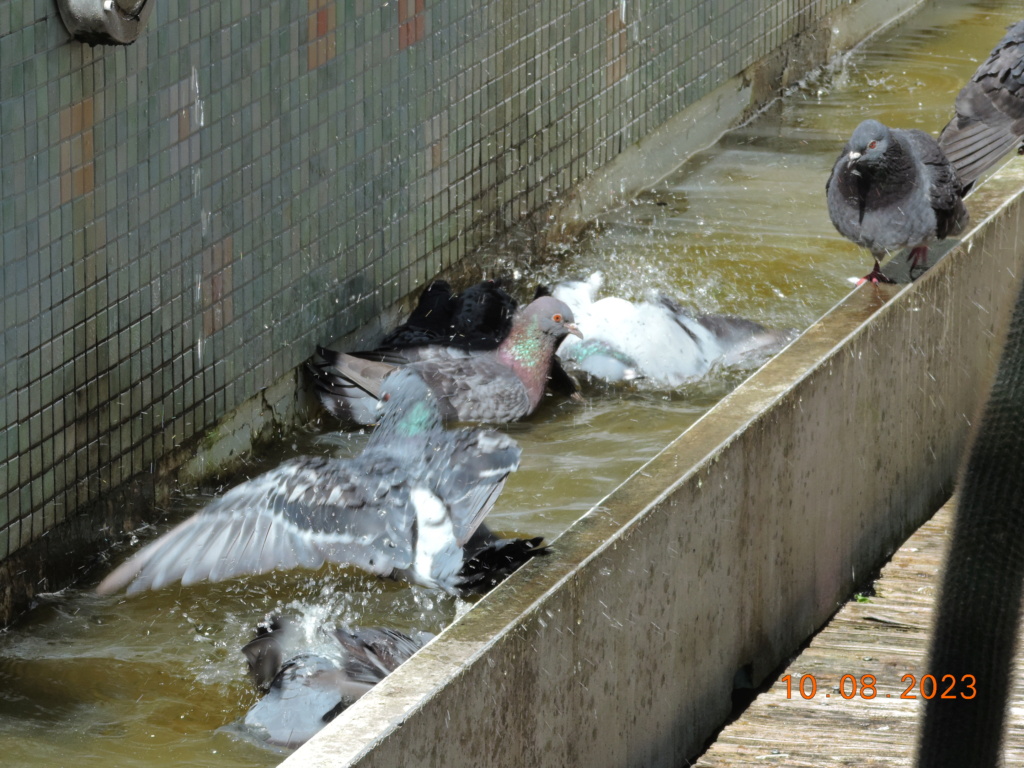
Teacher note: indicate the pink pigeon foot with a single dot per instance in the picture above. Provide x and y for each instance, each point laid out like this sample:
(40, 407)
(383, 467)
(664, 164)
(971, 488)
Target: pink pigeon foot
(875, 276)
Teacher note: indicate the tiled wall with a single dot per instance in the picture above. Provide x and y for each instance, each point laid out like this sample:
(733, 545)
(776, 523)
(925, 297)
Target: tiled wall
(184, 219)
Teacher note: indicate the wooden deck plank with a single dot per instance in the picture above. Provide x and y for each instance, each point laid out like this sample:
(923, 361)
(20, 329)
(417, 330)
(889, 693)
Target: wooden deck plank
(886, 637)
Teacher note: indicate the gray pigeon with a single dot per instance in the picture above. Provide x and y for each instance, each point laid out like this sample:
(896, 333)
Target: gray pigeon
(303, 691)
(496, 386)
(989, 118)
(892, 189)
(407, 507)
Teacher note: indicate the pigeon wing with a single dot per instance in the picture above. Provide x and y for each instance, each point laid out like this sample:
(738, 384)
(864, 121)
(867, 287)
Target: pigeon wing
(945, 192)
(468, 473)
(989, 119)
(372, 653)
(476, 388)
(302, 514)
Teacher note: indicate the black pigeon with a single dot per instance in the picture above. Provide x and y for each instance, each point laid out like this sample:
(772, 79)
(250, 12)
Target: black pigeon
(497, 385)
(304, 689)
(989, 118)
(479, 318)
(407, 507)
(429, 322)
(482, 317)
(892, 189)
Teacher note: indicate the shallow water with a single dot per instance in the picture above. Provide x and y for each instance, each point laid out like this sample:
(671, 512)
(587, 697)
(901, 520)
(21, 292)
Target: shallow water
(740, 229)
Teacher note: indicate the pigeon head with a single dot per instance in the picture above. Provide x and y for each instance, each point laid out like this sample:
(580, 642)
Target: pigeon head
(551, 317)
(868, 145)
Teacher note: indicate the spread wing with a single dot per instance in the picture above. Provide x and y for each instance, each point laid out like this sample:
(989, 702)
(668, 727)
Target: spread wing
(303, 513)
(989, 119)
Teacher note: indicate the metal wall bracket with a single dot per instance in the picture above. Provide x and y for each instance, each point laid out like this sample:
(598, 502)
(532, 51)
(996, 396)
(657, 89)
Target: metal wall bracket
(105, 22)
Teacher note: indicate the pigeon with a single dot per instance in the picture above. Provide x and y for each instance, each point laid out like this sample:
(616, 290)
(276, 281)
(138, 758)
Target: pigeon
(482, 317)
(657, 340)
(989, 119)
(429, 321)
(478, 318)
(406, 508)
(892, 189)
(496, 386)
(308, 689)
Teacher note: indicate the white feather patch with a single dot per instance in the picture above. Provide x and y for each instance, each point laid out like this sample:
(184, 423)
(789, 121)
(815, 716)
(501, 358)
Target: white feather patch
(436, 547)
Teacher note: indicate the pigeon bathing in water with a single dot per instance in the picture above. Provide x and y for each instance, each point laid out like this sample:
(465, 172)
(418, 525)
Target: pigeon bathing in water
(655, 340)
(498, 385)
(429, 321)
(411, 506)
(478, 318)
(892, 189)
(305, 688)
(989, 118)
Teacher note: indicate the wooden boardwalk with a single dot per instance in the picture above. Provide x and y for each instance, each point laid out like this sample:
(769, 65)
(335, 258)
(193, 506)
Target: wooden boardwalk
(886, 637)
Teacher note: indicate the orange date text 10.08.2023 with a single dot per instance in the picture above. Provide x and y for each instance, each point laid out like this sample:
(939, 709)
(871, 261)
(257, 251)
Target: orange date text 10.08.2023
(866, 687)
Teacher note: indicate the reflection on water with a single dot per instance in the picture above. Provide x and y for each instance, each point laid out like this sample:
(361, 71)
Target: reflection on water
(741, 229)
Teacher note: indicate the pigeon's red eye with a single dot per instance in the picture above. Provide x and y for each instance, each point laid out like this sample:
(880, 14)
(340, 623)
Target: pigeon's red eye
(872, 145)
(557, 318)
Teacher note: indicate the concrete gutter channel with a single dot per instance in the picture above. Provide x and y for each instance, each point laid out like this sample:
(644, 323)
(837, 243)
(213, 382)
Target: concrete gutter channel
(712, 563)
(719, 557)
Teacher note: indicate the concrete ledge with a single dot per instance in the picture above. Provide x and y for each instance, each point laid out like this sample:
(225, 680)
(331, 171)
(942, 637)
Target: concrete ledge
(722, 554)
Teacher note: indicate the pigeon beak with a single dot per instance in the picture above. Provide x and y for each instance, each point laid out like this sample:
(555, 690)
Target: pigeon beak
(571, 328)
(852, 158)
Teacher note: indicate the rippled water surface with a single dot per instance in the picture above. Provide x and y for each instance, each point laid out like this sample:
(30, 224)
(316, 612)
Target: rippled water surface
(739, 229)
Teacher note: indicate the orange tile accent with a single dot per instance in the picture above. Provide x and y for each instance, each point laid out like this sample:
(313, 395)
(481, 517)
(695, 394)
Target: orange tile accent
(77, 150)
(321, 41)
(412, 22)
(218, 306)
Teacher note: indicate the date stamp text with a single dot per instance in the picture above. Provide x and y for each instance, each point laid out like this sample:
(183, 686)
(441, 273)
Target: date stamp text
(866, 687)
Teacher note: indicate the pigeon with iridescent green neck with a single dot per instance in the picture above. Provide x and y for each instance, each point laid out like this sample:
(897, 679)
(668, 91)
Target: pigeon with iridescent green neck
(411, 507)
(495, 386)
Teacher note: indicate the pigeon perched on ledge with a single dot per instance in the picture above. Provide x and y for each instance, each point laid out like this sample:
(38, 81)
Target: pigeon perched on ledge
(496, 386)
(989, 119)
(409, 507)
(892, 189)
(305, 688)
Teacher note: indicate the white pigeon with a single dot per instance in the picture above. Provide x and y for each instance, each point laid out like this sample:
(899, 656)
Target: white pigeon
(654, 340)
